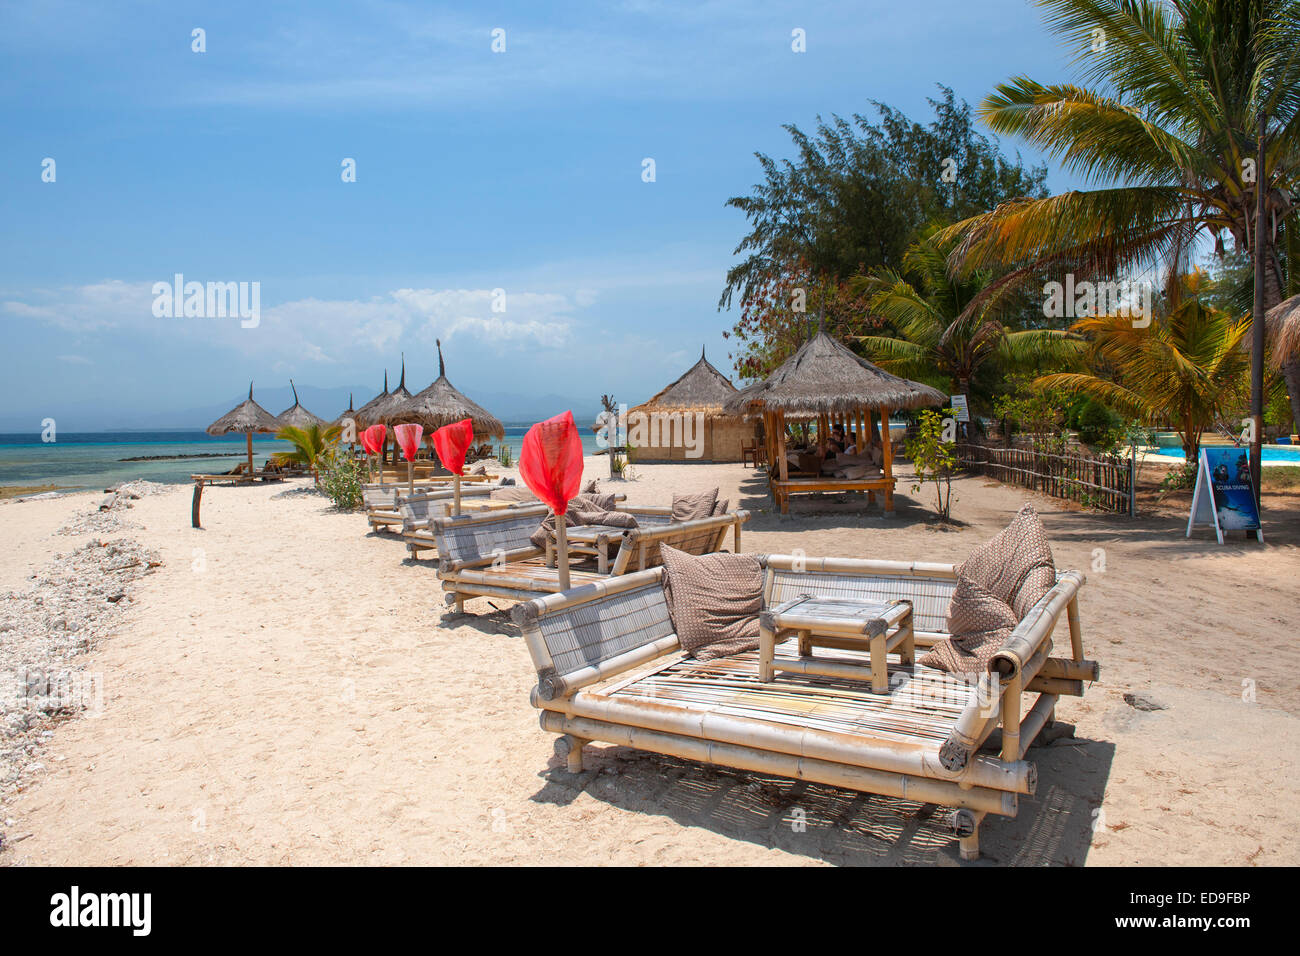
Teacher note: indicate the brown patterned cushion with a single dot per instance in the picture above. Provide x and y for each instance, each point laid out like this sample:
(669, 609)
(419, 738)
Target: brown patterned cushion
(979, 622)
(721, 507)
(1016, 565)
(691, 507)
(714, 600)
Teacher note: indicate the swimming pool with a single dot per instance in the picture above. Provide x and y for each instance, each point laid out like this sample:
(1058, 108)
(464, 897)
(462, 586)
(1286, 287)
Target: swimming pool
(1269, 453)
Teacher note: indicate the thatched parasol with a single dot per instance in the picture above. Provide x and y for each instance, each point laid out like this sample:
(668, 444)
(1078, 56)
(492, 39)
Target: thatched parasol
(825, 378)
(348, 412)
(298, 417)
(1283, 325)
(701, 389)
(364, 416)
(385, 405)
(246, 417)
(442, 404)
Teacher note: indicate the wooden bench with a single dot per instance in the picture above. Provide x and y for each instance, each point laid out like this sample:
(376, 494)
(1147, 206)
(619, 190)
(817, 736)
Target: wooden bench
(490, 555)
(610, 668)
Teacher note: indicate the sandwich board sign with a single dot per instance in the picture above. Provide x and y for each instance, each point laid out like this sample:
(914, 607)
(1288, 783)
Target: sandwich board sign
(960, 410)
(1224, 496)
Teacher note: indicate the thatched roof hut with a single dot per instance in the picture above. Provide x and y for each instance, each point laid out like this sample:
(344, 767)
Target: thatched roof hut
(364, 416)
(656, 429)
(298, 417)
(825, 378)
(442, 404)
(826, 383)
(247, 417)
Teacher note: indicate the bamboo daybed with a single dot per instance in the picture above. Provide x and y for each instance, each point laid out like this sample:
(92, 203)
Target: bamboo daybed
(490, 554)
(383, 502)
(610, 668)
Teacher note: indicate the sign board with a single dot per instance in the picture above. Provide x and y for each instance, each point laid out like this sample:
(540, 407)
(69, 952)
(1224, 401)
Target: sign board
(961, 411)
(1224, 496)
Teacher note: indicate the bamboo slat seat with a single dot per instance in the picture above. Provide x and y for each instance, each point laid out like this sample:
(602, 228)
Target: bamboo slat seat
(492, 555)
(609, 667)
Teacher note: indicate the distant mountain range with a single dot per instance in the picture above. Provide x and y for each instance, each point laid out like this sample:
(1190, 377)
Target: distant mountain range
(328, 403)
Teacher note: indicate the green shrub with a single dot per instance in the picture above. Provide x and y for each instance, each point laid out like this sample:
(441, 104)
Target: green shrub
(933, 459)
(341, 477)
(505, 455)
(1099, 428)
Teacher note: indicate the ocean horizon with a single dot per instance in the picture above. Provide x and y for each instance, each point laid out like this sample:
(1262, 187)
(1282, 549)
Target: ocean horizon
(90, 459)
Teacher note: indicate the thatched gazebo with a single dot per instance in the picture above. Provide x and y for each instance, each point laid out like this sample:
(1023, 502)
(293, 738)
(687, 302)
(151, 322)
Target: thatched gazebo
(702, 391)
(443, 404)
(247, 417)
(827, 384)
(348, 412)
(385, 404)
(298, 417)
(1283, 325)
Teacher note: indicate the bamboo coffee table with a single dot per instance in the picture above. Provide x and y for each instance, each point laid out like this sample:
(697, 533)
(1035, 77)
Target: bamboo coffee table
(879, 627)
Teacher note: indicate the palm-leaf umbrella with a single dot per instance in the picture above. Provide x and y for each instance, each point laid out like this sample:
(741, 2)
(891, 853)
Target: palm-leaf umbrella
(247, 417)
(364, 415)
(297, 416)
(443, 404)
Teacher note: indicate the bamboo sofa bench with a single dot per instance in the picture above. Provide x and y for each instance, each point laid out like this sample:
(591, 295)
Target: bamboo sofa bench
(490, 555)
(418, 514)
(610, 668)
(383, 502)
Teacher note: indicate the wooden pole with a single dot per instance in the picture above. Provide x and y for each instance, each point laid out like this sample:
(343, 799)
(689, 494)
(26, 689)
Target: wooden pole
(249, 436)
(562, 550)
(410, 476)
(455, 500)
(198, 497)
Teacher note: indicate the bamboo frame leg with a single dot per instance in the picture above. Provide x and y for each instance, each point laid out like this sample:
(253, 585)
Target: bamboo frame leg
(570, 748)
(879, 666)
(1011, 719)
(460, 602)
(736, 541)
(969, 846)
(1076, 630)
(805, 644)
(766, 652)
(907, 649)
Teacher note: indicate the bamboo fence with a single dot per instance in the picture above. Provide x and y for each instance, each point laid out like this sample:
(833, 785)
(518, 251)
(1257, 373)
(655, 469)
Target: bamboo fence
(1103, 483)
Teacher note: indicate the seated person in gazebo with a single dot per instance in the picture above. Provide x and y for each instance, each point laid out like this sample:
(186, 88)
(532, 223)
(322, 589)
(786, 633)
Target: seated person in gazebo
(854, 464)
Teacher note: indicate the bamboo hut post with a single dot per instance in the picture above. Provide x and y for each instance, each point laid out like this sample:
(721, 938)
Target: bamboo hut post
(887, 450)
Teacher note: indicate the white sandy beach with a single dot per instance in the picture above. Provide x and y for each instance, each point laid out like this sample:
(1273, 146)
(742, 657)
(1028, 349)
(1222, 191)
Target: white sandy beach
(287, 689)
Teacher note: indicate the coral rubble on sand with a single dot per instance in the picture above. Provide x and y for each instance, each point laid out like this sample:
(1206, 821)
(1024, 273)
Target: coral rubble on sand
(75, 601)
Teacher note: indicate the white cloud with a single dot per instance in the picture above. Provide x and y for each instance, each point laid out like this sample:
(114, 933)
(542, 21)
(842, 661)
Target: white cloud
(322, 331)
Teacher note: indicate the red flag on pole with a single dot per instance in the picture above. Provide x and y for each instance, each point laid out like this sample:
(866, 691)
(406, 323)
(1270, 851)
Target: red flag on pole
(550, 461)
(451, 442)
(372, 439)
(408, 436)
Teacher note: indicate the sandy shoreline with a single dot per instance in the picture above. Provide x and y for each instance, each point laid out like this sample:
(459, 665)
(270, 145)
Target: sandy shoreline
(286, 688)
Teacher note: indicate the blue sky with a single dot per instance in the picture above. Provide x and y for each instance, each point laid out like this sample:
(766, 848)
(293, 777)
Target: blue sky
(476, 171)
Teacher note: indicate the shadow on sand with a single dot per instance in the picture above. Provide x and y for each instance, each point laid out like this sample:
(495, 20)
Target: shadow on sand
(841, 827)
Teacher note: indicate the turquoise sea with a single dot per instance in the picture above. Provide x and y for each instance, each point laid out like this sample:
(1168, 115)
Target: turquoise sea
(96, 459)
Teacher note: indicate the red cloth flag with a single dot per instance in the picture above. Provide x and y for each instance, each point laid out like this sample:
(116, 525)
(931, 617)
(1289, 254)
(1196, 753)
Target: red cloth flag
(408, 436)
(451, 442)
(372, 439)
(550, 461)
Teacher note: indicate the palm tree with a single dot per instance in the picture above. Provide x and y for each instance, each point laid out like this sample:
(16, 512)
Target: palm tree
(1168, 134)
(310, 445)
(948, 329)
(1186, 368)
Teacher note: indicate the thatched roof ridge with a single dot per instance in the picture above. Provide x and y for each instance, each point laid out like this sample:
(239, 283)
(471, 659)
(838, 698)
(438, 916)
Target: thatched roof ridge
(443, 404)
(701, 388)
(297, 416)
(247, 416)
(825, 377)
(385, 405)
